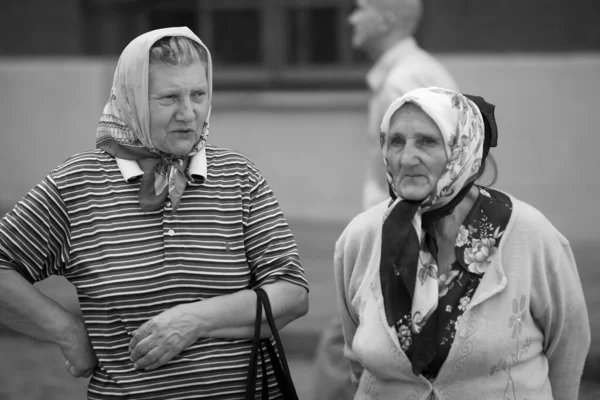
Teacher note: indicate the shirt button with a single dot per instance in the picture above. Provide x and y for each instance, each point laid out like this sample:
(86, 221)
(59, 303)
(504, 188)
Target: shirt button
(171, 232)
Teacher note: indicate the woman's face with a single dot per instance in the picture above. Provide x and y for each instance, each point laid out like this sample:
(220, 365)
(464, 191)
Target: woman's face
(179, 104)
(416, 153)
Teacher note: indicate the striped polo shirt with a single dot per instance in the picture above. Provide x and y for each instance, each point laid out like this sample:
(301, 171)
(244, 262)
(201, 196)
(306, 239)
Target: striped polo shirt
(84, 222)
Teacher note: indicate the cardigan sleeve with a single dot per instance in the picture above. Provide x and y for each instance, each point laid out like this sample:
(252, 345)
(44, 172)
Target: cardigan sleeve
(559, 307)
(344, 261)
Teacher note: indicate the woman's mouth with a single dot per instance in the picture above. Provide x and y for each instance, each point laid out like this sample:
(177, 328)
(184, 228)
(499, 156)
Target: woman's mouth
(183, 131)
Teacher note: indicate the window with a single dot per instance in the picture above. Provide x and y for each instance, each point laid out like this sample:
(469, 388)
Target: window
(312, 36)
(253, 43)
(236, 36)
(287, 37)
(164, 18)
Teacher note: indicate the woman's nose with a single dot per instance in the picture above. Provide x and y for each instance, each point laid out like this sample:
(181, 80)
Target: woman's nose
(409, 157)
(186, 110)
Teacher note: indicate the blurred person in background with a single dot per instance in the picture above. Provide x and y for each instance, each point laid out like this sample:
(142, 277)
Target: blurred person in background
(452, 290)
(163, 236)
(384, 30)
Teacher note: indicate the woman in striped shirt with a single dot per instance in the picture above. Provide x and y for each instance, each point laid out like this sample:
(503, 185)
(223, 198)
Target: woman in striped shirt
(163, 236)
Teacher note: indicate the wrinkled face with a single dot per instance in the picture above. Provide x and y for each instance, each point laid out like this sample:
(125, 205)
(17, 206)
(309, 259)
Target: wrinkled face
(416, 153)
(367, 25)
(179, 104)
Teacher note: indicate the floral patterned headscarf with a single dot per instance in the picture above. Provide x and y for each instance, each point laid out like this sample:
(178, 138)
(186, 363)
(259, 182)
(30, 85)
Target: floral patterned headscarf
(404, 258)
(461, 124)
(124, 127)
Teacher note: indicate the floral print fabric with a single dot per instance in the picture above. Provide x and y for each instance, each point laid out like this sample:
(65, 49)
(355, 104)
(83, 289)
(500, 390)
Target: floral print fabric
(476, 246)
(462, 128)
(406, 257)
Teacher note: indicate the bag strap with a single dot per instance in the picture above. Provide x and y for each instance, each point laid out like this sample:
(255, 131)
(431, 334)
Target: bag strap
(280, 364)
(265, 379)
(251, 377)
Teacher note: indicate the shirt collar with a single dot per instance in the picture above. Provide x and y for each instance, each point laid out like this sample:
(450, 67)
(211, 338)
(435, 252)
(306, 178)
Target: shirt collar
(377, 73)
(130, 169)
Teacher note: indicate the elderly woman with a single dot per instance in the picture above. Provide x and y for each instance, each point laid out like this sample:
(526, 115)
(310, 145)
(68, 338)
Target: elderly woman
(163, 236)
(452, 290)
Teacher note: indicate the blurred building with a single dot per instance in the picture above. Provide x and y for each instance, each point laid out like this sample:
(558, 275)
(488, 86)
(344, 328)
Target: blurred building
(291, 43)
(57, 60)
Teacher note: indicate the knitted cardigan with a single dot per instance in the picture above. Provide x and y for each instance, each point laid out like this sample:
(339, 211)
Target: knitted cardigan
(524, 335)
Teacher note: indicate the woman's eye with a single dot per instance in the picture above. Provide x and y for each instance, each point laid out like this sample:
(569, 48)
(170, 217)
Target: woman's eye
(396, 141)
(428, 142)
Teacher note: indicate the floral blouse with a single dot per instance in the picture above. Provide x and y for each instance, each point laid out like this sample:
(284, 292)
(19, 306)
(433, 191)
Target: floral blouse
(477, 242)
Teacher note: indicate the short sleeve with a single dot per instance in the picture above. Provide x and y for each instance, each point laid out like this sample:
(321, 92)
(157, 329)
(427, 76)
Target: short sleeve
(271, 249)
(35, 235)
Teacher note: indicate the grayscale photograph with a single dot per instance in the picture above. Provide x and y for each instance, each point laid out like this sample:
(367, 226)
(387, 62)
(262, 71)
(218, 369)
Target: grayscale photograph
(299, 200)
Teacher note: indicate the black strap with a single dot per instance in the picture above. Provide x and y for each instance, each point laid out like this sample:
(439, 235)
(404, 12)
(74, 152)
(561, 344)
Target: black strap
(280, 364)
(265, 379)
(251, 378)
(278, 359)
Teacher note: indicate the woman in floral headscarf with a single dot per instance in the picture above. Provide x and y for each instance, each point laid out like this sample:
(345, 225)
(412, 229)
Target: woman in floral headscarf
(164, 237)
(451, 290)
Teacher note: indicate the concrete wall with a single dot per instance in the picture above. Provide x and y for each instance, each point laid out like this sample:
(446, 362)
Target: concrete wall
(309, 145)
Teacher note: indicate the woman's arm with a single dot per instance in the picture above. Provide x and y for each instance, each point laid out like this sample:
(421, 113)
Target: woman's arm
(26, 310)
(558, 305)
(344, 261)
(230, 316)
(34, 244)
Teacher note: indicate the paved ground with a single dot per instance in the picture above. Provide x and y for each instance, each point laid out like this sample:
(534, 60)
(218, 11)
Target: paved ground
(31, 370)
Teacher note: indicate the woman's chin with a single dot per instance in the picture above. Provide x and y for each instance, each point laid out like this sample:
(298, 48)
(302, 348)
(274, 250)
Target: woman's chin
(179, 150)
(414, 193)
(414, 197)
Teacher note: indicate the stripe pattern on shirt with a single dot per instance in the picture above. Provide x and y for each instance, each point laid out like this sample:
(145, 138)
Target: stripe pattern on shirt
(84, 222)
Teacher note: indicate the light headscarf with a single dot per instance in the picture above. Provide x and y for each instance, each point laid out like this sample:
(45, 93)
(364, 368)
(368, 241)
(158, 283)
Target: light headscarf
(404, 258)
(124, 127)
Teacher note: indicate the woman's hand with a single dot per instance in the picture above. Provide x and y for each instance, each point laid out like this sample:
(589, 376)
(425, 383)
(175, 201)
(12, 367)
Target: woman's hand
(230, 316)
(163, 337)
(80, 357)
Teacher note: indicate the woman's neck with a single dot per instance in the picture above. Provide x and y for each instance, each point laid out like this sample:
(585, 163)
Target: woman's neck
(446, 229)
